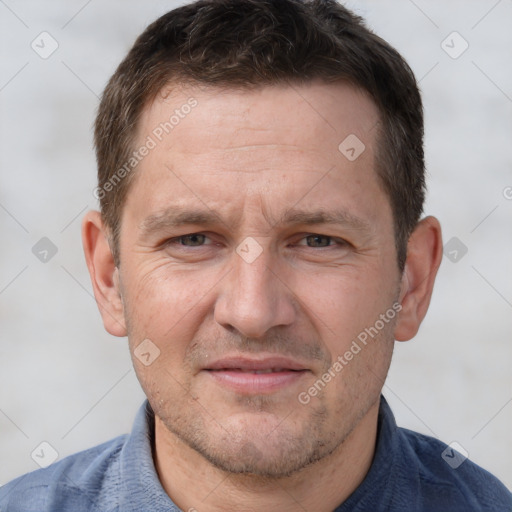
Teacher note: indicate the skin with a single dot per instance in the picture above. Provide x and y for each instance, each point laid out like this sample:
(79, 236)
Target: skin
(250, 157)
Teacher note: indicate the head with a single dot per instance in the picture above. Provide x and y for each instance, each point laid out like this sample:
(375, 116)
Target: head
(288, 42)
(261, 181)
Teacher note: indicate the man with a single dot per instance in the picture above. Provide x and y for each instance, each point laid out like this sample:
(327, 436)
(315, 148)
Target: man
(261, 182)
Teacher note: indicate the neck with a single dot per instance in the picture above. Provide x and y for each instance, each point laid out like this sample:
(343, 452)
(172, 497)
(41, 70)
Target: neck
(193, 483)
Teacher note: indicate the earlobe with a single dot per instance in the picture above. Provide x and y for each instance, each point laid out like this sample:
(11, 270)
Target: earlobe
(424, 254)
(104, 274)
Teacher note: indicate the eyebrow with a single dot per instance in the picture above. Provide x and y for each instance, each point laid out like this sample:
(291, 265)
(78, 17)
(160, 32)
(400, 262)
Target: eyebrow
(321, 216)
(174, 217)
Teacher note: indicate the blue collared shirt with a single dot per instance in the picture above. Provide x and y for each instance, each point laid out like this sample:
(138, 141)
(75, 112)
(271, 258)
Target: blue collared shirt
(410, 472)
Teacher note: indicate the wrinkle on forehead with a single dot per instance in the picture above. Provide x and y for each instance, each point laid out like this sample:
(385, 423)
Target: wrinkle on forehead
(295, 115)
(280, 132)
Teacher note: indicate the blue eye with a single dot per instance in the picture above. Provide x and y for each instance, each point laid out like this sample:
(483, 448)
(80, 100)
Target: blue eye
(313, 240)
(195, 239)
(318, 240)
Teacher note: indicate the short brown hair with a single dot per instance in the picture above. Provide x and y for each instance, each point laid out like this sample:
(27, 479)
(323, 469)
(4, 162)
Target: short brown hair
(248, 43)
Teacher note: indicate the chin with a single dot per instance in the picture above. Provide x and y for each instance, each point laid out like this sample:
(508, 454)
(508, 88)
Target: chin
(263, 462)
(260, 444)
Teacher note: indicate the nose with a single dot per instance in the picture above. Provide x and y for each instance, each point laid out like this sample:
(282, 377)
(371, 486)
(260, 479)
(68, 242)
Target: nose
(254, 297)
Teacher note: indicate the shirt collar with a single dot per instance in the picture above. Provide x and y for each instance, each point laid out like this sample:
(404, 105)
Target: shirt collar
(378, 484)
(140, 487)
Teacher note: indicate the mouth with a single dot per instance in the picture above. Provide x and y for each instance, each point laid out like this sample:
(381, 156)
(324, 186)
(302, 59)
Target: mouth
(256, 376)
(256, 372)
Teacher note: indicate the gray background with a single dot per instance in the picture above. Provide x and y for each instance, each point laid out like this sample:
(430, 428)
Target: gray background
(65, 381)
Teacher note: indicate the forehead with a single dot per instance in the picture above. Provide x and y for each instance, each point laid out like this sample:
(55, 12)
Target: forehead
(216, 144)
(315, 115)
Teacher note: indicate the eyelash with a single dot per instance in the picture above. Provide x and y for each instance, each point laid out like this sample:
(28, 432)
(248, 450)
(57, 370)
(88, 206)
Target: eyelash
(336, 241)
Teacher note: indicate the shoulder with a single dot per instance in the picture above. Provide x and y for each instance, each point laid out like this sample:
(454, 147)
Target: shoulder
(80, 479)
(447, 475)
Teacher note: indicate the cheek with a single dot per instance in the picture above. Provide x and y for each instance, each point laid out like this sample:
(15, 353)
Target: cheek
(164, 303)
(163, 307)
(341, 304)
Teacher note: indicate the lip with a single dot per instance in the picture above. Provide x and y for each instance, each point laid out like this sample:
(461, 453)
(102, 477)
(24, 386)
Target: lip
(237, 373)
(248, 364)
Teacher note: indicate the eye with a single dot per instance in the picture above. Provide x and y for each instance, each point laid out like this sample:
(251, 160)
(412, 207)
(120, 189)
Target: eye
(190, 240)
(316, 240)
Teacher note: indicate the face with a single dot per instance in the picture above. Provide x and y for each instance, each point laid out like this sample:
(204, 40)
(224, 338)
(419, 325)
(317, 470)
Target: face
(253, 254)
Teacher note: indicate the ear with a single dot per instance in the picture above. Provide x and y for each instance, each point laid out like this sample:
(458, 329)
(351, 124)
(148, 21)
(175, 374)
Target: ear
(424, 254)
(104, 273)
